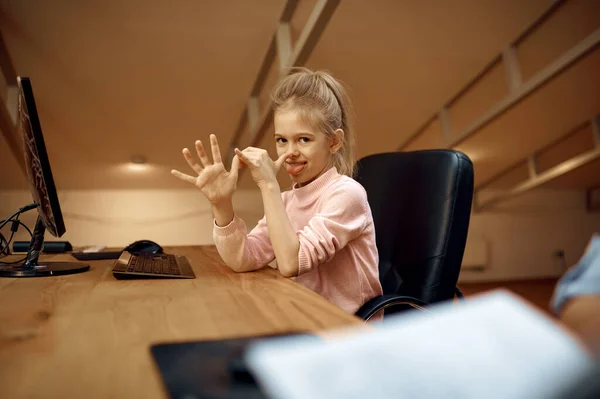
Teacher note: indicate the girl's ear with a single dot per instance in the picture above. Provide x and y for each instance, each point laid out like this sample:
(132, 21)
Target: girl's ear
(337, 141)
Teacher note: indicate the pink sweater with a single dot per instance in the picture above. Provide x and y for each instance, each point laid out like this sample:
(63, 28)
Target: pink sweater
(337, 259)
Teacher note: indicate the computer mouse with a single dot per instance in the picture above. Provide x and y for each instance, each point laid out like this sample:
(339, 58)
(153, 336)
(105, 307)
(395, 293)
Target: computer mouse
(144, 246)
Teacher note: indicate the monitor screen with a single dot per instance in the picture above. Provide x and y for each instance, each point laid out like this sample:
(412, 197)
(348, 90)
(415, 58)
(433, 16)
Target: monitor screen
(37, 164)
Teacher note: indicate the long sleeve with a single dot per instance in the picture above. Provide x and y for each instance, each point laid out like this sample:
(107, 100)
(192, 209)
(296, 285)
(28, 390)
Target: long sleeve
(241, 251)
(341, 218)
(337, 255)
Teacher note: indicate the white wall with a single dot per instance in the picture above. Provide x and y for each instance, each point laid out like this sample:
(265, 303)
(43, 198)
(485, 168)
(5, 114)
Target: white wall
(116, 218)
(518, 239)
(522, 235)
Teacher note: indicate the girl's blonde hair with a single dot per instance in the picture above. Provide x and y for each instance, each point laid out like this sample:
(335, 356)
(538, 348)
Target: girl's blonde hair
(324, 104)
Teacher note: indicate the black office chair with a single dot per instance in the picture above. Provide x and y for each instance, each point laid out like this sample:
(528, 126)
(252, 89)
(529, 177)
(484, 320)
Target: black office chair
(421, 204)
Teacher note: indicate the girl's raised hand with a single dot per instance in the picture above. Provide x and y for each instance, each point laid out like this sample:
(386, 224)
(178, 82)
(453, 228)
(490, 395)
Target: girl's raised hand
(215, 183)
(262, 167)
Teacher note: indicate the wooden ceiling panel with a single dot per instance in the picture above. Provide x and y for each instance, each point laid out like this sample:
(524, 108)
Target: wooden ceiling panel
(480, 97)
(303, 11)
(542, 118)
(270, 82)
(509, 179)
(431, 137)
(566, 148)
(571, 145)
(587, 176)
(403, 60)
(113, 79)
(573, 21)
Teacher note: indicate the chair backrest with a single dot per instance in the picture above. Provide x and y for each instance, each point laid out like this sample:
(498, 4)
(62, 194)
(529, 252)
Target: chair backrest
(421, 204)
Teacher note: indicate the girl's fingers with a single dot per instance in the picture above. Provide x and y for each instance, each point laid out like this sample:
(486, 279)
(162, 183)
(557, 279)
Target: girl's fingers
(183, 176)
(214, 144)
(242, 156)
(190, 160)
(279, 162)
(202, 154)
(253, 157)
(235, 166)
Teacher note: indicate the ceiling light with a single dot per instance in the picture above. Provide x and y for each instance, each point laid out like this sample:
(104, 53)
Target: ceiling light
(138, 163)
(138, 159)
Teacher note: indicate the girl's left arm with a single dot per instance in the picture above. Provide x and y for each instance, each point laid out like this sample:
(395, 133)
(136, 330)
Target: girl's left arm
(284, 240)
(283, 237)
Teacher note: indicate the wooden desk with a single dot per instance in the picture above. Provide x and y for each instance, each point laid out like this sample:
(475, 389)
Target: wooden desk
(89, 335)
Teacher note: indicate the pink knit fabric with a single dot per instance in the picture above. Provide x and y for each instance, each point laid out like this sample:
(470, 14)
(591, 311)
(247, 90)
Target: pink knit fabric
(338, 257)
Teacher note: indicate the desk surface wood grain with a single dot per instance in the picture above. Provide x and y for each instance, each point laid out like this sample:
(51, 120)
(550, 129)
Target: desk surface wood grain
(89, 334)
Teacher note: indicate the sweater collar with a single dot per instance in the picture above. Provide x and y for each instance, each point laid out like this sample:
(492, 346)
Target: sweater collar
(315, 187)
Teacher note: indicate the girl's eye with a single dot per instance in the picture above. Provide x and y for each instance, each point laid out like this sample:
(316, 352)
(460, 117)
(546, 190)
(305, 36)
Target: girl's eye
(280, 140)
(304, 139)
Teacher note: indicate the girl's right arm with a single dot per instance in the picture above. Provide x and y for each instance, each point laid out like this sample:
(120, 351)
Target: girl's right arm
(223, 213)
(241, 251)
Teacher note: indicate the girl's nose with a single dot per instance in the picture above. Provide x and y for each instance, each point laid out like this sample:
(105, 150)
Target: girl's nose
(294, 150)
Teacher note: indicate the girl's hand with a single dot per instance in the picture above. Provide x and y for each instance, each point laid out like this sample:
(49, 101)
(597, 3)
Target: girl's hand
(215, 183)
(262, 167)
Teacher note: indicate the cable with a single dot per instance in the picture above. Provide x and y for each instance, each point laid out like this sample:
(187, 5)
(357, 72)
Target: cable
(22, 210)
(6, 251)
(29, 207)
(14, 228)
(26, 228)
(3, 250)
(4, 243)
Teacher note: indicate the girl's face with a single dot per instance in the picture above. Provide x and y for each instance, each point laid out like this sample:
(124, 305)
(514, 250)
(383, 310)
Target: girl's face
(311, 150)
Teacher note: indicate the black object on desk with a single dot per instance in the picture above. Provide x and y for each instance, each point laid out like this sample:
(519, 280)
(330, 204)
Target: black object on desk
(141, 246)
(50, 247)
(208, 369)
(96, 255)
(144, 246)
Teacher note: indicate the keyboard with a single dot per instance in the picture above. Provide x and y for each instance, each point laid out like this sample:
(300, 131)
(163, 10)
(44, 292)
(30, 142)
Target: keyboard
(144, 265)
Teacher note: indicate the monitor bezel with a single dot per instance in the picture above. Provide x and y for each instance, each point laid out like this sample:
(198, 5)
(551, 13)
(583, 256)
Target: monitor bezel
(26, 91)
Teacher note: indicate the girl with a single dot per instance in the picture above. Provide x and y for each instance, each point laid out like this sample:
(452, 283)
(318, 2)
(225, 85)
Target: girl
(321, 231)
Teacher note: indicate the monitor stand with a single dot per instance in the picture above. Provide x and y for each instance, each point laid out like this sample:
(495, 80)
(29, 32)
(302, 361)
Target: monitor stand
(32, 267)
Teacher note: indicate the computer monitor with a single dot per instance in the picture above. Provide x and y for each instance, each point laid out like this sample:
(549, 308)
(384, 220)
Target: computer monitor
(43, 192)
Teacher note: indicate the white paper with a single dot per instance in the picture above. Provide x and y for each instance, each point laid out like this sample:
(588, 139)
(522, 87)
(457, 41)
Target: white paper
(95, 248)
(494, 346)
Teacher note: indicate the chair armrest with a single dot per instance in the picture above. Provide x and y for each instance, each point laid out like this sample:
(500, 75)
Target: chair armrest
(378, 303)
